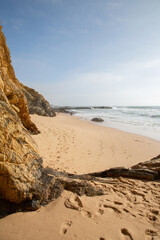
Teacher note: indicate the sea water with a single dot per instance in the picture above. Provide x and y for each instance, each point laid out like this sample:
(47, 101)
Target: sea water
(140, 120)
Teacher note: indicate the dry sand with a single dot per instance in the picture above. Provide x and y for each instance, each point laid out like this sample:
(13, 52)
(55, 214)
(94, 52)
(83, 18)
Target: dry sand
(73, 145)
(130, 210)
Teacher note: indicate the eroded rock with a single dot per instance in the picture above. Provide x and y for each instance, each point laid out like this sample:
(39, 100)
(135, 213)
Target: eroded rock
(20, 163)
(149, 170)
(37, 103)
(152, 165)
(11, 91)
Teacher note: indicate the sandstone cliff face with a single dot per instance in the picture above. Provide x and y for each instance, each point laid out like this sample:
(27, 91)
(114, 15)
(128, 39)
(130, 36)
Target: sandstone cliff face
(11, 87)
(37, 103)
(20, 163)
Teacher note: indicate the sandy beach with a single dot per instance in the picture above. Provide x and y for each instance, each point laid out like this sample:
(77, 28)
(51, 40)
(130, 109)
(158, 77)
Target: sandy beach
(130, 208)
(76, 146)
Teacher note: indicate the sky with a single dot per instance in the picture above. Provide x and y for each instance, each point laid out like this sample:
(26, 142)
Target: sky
(88, 52)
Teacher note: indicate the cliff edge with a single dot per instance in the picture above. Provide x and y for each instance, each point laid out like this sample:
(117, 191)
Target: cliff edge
(20, 162)
(10, 87)
(37, 103)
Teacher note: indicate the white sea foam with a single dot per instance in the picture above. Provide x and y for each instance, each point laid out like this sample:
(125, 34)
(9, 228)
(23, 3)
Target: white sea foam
(141, 120)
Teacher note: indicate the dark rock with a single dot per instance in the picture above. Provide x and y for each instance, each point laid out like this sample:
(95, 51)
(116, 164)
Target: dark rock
(71, 113)
(54, 182)
(102, 107)
(82, 188)
(97, 120)
(135, 172)
(32, 205)
(61, 110)
(68, 109)
(152, 165)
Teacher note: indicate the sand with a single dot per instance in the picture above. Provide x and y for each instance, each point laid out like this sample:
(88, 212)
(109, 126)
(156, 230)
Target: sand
(130, 208)
(69, 144)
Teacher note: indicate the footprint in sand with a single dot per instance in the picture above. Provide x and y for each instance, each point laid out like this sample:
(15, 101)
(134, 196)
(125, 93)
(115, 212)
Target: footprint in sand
(74, 203)
(151, 218)
(126, 234)
(65, 227)
(126, 210)
(100, 211)
(150, 232)
(154, 211)
(101, 148)
(113, 150)
(87, 214)
(116, 210)
(118, 203)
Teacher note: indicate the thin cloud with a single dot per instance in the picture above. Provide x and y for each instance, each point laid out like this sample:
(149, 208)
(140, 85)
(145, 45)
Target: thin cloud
(101, 88)
(17, 23)
(48, 1)
(98, 22)
(98, 77)
(83, 31)
(113, 4)
(135, 65)
(151, 64)
(36, 12)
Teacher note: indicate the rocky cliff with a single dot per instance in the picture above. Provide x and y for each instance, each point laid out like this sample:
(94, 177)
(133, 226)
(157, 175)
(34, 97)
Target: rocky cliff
(11, 88)
(20, 163)
(37, 103)
(24, 183)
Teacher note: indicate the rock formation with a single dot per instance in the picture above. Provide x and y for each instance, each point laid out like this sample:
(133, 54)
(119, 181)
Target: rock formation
(152, 165)
(20, 163)
(24, 183)
(37, 103)
(10, 88)
(149, 170)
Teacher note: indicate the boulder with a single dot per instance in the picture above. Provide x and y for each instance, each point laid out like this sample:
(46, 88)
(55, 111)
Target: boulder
(97, 120)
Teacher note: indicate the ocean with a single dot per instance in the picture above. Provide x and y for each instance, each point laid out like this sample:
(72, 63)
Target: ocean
(140, 120)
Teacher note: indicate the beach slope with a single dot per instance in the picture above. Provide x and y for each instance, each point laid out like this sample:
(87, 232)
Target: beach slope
(76, 146)
(129, 209)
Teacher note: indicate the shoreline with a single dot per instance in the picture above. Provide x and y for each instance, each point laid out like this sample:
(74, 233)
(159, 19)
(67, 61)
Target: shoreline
(70, 144)
(125, 128)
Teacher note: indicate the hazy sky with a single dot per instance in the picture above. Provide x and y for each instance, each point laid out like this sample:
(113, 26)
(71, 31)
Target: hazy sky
(86, 52)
